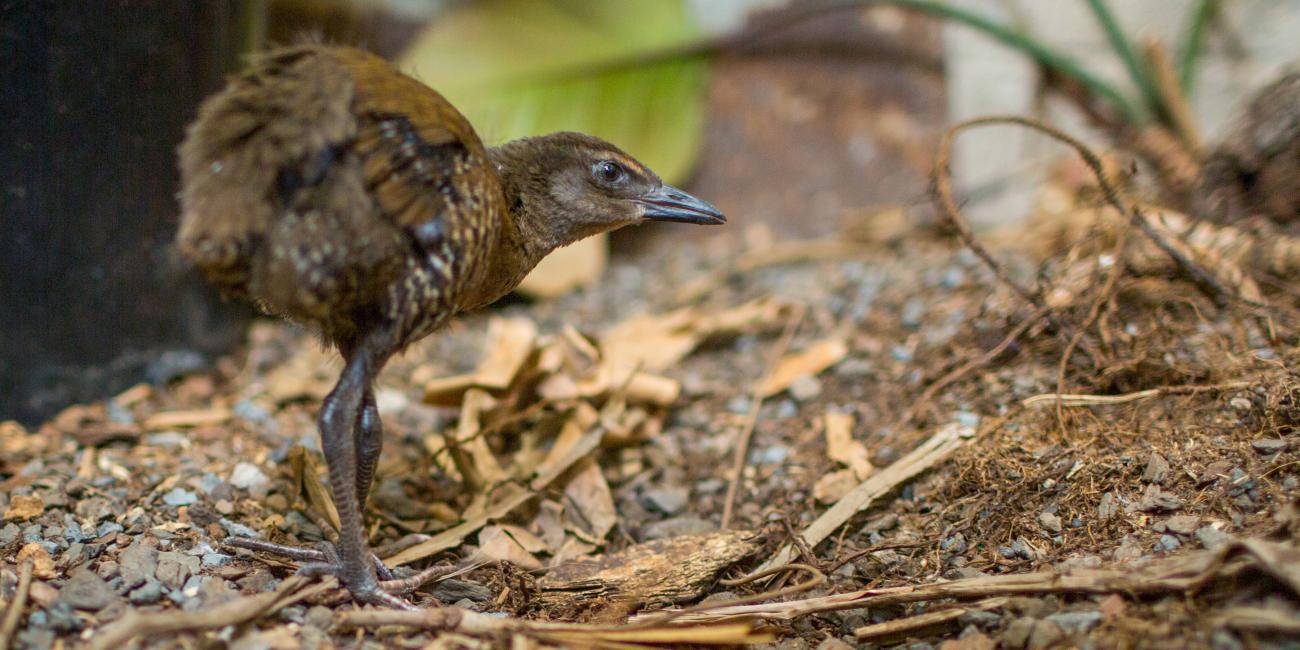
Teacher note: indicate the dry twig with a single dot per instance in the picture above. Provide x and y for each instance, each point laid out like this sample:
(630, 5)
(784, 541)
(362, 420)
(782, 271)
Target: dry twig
(15, 610)
(751, 418)
(134, 624)
(937, 449)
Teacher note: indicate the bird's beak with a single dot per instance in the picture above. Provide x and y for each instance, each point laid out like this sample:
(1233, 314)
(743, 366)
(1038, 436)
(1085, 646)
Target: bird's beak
(668, 203)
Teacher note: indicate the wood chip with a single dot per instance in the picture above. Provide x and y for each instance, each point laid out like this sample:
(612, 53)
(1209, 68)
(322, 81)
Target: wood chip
(509, 344)
(675, 570)
(843, 449)
(187, 419)
(818, 357)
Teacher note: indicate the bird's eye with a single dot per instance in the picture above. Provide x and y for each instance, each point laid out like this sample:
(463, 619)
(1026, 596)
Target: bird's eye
(609, 172)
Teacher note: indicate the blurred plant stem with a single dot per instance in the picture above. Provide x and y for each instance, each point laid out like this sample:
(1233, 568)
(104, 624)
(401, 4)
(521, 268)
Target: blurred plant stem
(1189, 51)
(1137, 67)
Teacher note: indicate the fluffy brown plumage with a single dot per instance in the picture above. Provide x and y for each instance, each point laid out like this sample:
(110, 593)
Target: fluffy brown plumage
(335, 191)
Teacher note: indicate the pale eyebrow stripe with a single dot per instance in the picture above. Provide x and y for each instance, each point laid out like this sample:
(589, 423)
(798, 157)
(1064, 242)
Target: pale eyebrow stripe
(627, 162)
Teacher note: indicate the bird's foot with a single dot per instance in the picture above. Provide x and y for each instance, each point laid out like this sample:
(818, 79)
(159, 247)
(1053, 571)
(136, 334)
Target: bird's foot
(364, 587)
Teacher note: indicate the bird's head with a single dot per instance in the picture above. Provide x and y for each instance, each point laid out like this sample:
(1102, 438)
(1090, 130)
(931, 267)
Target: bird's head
(566, 186)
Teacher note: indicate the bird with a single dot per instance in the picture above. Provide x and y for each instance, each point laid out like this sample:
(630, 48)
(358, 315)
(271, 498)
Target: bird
(331, 189)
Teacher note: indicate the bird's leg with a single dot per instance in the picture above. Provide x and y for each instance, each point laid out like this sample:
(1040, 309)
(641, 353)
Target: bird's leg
(351, 438)
(339, 419)
(369, 442)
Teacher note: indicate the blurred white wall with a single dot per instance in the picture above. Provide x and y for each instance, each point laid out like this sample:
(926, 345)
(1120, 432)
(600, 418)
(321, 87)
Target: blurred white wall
(986, 78)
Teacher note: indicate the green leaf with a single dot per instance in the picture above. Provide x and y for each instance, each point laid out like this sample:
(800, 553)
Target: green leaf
(528, 67)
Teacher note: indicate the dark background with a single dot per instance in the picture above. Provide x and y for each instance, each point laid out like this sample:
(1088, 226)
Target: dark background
(96, 97)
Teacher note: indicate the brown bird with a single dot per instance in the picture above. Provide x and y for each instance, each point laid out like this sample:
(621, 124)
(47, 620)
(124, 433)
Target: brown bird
(333, 190)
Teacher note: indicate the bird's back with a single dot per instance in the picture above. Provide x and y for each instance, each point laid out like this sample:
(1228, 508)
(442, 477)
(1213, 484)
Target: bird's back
(336, 191)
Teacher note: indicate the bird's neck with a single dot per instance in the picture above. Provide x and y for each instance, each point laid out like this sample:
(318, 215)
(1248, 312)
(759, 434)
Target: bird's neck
(519, 242)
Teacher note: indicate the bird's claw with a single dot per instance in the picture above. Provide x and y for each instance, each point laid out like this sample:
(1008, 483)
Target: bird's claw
(384, 589)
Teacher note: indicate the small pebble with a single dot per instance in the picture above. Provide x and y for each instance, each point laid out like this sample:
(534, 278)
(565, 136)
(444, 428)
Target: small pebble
(209, 482)
(247, 476)
(1267, 446)
(1050, 522)
(1168, 543)
(85, 590)
(738, 405)
(774, 455)
(1076, 622)
(180, 497)
(215, 559)
(668, 500)
(805, 388)
(1182, 524)
(1157, 469)
(146, 594)
(1212, 538)
(239, 530)
(676, 527)
(786, 409)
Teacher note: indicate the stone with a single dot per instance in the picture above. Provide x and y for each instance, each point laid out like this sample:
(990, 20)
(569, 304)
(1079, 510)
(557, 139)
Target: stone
(1268, 446)
(1050, 522)
(85, 590)
(1212, 538)
(137, 563)
(1107, 506)
(1168, 543)
(95, 509)
(146, 594)
(23, 507)
(42, 563)
(1076, 622)
(215, 559)
(805, 388)
(180, 497)
(175, 568)
(1016, 636)
(832, 643)
(247, 476)
(1045, 634)
(1182, 524)
(1156, 500)
(9, 534)
(669, 500)
(1157, 469)
(237, 529)
(676, 527)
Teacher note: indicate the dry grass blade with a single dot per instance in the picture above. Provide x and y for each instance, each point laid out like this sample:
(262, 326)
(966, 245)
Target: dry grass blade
(937, 449)
(1177, 574)
(1102, 400)
(457, 620)
(1258, 619)
(236, 612)
(15, 609)
(928, 619)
